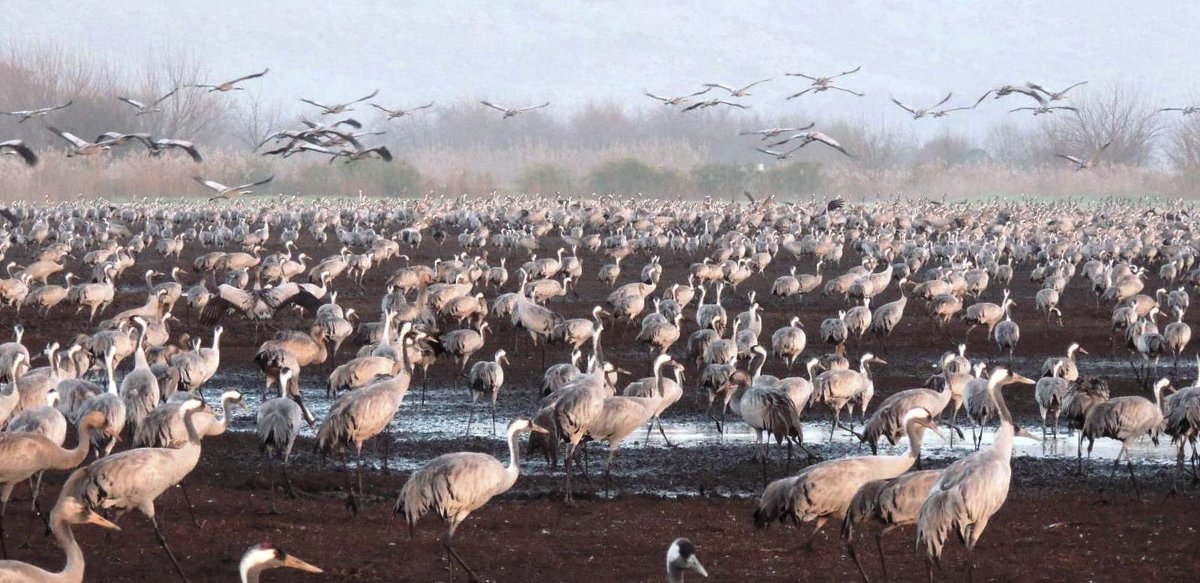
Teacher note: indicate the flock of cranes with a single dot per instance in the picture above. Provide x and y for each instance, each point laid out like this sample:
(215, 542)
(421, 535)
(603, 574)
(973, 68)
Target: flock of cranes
(338, 143)
(246, 272)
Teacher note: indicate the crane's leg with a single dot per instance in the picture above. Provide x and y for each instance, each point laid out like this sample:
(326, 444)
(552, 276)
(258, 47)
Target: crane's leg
(882, 557)
(3, 511)
(493, 413)
(36, 484)
(274, 511)
(854, 555)
(567, 470)
(1132, 477)
(188, 501)
(808, 546)
(162, 541)
(424, 382)
(612, 452)
(387, 447)
(661, 431)
(471, 575)
(471, 415)
(287, 482)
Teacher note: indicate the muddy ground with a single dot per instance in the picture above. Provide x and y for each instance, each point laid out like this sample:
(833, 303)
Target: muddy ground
(1056, 525)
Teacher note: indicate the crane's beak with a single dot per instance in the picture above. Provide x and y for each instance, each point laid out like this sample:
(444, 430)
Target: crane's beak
(301, 565)
(1024, 380)
(1080, 349)
(1020, 432)
(694, 564)
(94, 518)
(878, 361)
(539, 429)
(930, 425)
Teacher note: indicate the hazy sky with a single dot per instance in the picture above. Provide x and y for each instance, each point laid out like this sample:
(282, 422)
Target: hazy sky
(569, 52)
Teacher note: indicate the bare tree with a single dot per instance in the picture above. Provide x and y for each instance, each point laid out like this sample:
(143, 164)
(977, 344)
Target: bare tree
(255, 118)
(1183, 145)
(948, 148)
(1120, 114)
(191, 114)
(1013, 146)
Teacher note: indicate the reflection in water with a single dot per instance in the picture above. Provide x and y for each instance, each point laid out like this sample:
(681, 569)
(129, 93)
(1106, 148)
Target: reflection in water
(444, 416)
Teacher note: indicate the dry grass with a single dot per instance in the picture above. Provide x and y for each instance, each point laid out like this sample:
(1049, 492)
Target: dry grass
(482, 170)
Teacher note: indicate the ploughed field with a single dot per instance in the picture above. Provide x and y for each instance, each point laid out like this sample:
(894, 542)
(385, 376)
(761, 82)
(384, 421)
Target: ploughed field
(1056, 525)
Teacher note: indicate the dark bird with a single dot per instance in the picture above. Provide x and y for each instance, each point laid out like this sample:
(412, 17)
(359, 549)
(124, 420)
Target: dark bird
(397, 113)
(157, 147)
(920, 113)
(1081, 164)
(778, 154)
(714, 103)
(1054, 95)
(810, 137)
(231, 85)
(1004, 90)
(738, 92)
(513, 111)
(17, 147)
(772, 132)
(353, 154)
(339, 107)
(230, 191)
(820, 84)
(681, 100)
(120, 139)
(80, 146)
(32, 113)
(144, 108)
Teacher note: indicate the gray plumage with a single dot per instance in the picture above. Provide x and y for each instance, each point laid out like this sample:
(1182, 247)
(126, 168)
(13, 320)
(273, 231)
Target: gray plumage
(456, 484)
(139, 389)
(135, 478)
(486, 378)
(887, 421)
(823, 491)
(277, 424)
(363, 414)
(972, 489)
(1124, 419)
(886, 505)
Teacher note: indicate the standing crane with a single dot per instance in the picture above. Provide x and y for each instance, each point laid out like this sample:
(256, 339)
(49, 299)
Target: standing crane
(486, 378)
(456, 484)
(822, 492)
(363, 414)
(970, 491)
(135, 478)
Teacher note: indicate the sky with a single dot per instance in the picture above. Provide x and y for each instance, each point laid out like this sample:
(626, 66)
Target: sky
(572, 52)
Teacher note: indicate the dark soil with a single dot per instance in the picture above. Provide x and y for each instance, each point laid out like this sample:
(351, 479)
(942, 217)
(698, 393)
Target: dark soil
(1056, 525)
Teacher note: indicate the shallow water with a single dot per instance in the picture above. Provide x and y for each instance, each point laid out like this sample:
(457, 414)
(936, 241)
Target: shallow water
(443, 418)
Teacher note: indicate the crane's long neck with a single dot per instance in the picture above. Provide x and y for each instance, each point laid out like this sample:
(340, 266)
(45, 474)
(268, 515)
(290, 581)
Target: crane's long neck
(220, 426)
(514, 460)
(67, 459)
(1004, 434)
(108, 371)
(404, 352)
(139, 354)
(916, 436)
(73, 571)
